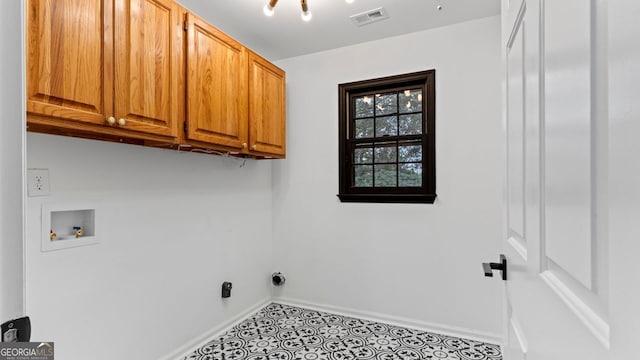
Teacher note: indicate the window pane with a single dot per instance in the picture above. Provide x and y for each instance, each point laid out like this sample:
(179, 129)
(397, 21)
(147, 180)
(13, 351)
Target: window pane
(363, 156)
(386, 104)
(386, 175)
(410, 101)
(364, 106)
(410, 153)
(411, 124)
(363, 128)
(386, 153)
(363, 175)
(387, 126)
(410, 175)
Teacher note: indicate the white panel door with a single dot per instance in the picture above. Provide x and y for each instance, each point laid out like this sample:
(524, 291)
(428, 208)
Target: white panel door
(555, 241)
(624, 176)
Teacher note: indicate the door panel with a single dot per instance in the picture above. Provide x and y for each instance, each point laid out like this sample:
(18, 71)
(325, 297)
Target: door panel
(554, 313)
(68, 62)
(148, 65)
(567, 59)
(216, 86)
(266, 107)
(515, 141)
(516, 241)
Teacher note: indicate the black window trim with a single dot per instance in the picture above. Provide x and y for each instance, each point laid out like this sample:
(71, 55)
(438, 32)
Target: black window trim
(426, 193)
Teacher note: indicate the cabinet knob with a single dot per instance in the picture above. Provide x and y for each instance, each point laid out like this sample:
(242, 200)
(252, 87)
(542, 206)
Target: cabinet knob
(244, 145)
(253, 147)
(122, 122)
(111, 120)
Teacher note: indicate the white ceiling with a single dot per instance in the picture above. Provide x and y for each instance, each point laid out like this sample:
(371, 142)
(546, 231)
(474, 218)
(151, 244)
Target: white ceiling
(285, 34)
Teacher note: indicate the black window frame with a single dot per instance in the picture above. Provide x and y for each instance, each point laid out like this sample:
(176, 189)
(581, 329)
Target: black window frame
(346, 93)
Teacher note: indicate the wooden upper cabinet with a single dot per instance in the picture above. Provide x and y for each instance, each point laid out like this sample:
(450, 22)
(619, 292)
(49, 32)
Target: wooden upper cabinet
(148, 66)
(266, 107)
(138, 70)
(69, 68)
(110, 67)
(217, 95)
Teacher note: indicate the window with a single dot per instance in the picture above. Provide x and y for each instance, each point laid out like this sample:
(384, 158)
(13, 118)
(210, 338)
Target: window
(387, 139)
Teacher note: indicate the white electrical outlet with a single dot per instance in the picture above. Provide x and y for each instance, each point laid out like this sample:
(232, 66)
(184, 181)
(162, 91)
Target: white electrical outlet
(38, 182)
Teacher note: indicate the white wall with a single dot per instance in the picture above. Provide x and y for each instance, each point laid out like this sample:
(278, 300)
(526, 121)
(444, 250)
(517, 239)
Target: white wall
(11, 158)
(420, 262)
(173, 227)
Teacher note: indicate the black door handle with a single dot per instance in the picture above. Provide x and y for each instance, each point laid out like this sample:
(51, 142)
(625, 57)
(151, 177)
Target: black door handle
(487, 270)
(502, 266)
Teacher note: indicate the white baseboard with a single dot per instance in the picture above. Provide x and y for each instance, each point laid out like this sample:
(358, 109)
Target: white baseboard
(396, 321)
(216, 331)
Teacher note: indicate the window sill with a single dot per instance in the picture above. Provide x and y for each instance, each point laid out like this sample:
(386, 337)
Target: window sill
(388, 198)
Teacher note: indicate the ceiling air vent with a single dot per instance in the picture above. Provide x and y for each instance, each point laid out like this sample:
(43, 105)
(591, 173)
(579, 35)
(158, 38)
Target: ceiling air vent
(370, 16)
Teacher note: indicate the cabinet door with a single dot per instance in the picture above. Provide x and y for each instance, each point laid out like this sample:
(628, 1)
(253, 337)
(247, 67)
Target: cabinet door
(266, 107)
(69, 68)
(148, 66)
(217, 93)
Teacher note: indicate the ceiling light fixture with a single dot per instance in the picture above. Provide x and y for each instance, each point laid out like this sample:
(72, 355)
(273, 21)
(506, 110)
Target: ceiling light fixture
(306, 14)
(268, 9)
(350, 1)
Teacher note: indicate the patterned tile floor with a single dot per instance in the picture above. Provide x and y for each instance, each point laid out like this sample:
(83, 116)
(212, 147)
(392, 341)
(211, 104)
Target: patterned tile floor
(281, 332)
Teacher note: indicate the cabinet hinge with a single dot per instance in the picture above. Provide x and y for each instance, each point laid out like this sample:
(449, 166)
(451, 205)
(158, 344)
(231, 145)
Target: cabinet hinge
(186, 25)
(185, 127)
